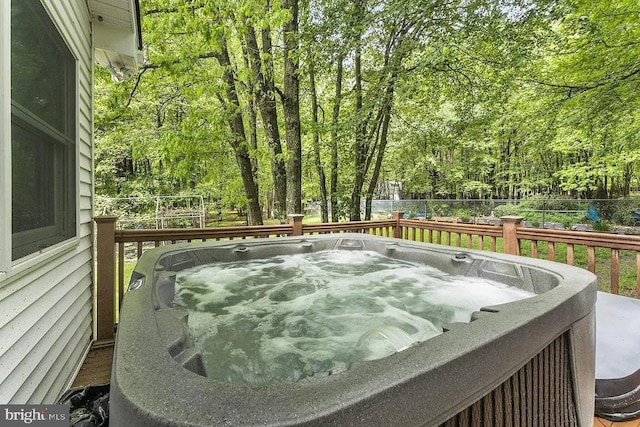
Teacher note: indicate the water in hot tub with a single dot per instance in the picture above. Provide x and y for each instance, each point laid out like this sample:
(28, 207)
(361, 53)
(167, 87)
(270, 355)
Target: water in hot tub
(285, 318)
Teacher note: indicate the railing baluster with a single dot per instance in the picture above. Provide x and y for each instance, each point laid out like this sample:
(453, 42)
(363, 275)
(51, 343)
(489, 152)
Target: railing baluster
(458, 239)
(534, 249)
(591, 259)
(493, 243)
(469, 240)
(139, 252)
(481, 242)
(637, 274)
(615, 271)
(105, 277)
(120, 274)
(448, 239)
(551, 246)
(570, 254)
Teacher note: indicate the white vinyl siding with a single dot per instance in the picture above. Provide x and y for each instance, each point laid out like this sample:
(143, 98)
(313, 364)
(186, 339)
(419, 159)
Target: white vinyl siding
(46, 301)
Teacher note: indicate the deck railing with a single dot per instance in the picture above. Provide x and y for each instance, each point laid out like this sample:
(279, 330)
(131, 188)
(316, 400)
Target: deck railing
(114, 247)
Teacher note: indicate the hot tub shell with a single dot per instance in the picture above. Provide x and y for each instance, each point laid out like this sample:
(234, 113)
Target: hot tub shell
(532, 359)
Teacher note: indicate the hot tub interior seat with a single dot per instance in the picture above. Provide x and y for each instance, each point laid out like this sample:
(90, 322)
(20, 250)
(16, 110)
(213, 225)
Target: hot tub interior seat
(173, 322)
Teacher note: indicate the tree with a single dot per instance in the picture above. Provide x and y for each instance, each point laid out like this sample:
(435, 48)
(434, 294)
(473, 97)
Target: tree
(265, 90)
(507, 98)
(291, 106)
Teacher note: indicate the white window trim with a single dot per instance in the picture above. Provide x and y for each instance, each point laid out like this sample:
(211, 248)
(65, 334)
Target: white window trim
(5, 135)
(13, 269)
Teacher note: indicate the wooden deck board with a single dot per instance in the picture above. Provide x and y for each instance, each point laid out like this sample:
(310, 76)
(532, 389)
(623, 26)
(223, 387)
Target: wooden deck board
(96, 369)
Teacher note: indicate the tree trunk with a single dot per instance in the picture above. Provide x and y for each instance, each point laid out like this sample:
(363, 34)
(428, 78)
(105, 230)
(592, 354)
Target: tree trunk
(291, 106)
(626, 180)
(324, 212)
(386, 118)
(265, 97)
(238, 138)
(334, 140)
(359, 148)
(253, 120)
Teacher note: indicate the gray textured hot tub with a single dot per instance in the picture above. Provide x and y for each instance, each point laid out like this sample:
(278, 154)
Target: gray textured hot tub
(528, 362)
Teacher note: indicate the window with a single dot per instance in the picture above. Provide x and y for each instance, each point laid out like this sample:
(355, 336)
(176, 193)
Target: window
(43, 132)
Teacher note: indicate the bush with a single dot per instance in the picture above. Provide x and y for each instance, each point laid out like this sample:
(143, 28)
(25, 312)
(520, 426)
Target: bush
(601, 226)
(621, 213)
(508, 209)
(553, 204)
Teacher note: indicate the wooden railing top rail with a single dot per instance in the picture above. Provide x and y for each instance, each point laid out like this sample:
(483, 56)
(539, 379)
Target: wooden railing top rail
(169, 234)
(346, 226)
(454, 227)
(586, 238)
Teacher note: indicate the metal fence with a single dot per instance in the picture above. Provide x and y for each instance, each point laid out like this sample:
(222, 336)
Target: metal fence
(159, 212)
(549, 213)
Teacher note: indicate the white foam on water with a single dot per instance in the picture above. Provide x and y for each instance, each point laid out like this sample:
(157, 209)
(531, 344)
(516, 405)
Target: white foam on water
(286, 318)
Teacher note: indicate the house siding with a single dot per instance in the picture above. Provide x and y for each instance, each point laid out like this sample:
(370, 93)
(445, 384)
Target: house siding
(46, 311)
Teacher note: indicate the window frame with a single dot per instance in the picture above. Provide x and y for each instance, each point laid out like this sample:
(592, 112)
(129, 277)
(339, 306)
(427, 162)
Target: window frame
(14, 268)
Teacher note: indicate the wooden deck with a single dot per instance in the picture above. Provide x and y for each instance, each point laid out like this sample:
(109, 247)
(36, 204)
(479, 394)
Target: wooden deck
(96, 370)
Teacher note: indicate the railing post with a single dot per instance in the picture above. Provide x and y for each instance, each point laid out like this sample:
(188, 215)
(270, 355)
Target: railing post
(296, 222)
(397, 216)
(105, 276)
(510, 234)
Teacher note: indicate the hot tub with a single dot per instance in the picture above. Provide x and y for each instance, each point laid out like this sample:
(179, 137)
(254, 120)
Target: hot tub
(527, 362)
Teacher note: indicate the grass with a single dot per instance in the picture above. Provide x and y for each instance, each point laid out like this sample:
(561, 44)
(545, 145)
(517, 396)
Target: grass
(128, 269)
(627, 268)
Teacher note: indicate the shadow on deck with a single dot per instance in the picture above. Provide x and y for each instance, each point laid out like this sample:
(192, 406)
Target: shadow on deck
(96, 369)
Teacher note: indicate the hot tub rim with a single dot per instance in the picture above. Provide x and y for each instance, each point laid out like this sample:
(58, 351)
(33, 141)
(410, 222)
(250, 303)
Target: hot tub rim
(564, 294)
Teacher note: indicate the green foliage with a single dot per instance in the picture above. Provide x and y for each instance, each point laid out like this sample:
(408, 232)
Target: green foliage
(601, 226)
(508, 210)
(506, 100)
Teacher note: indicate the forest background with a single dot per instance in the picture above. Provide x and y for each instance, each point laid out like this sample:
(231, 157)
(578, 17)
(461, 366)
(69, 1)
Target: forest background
(267, 104)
